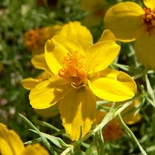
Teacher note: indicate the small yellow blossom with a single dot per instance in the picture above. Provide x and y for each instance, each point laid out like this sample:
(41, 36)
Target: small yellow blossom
(81, 73)
(129, 21)
(11, 144)
(113, 130)
(35, 39)
(95, 17)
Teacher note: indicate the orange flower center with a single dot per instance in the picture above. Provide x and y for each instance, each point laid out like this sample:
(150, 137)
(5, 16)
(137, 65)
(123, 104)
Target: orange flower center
(149, 19)
(74, 70)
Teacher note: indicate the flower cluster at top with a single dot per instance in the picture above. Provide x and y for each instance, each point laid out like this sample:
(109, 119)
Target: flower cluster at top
(76, 74)
(128, 21)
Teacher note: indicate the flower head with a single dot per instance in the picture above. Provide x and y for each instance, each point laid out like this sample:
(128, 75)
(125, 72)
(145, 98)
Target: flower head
(35, 39)
(81, 73)
(129, 21)
(11, 144)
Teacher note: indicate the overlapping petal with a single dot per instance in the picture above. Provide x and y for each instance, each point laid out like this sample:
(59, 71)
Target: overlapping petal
(10, 142)
(77, 111)
(125, 21)
(47, 93)
(39, 62)
(30, 83)
(113, 86)
(149, 4)
(80, 34)
(57, 48)
(101, 55)
(107, 35)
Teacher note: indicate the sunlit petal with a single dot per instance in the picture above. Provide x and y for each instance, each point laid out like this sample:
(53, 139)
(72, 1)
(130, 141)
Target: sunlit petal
(125, 21)
(78, 33)
(102, 54)
(10, 142)
(149, 4)
(113, 86)
(107, 35)
(77, 111)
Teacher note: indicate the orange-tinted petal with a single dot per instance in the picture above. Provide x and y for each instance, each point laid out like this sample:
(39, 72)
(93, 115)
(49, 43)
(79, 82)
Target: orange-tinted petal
(144, 49)
(77, 111)
(125, 21)
(113, 86)
(47, 93)
(78, 33)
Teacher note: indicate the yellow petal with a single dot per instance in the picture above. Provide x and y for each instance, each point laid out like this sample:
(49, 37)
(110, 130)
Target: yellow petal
(30, 83)
(149, 4)
(10, 142)
(101, 55)
(49, 112)
(113, 86)
(144, 49)
(125, 21)
(47, 93)
(77, 111)
(39, 62)
(107, 35)
(35, 149)
(56, 49)
(78, 33)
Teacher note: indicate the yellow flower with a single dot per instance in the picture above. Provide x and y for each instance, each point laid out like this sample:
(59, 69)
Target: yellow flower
(81, 72)
(35, 39)
(95, 17)
(113, 130)
(11, 144)
(129, 21)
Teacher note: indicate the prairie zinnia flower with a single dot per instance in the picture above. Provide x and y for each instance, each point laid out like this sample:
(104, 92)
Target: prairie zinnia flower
(81, 72)
(129, 21)
(11, 144)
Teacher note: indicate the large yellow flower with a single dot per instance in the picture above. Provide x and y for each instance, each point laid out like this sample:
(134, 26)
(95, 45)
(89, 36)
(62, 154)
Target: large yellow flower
(11, 144)
(129, 21)
(81, 72)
